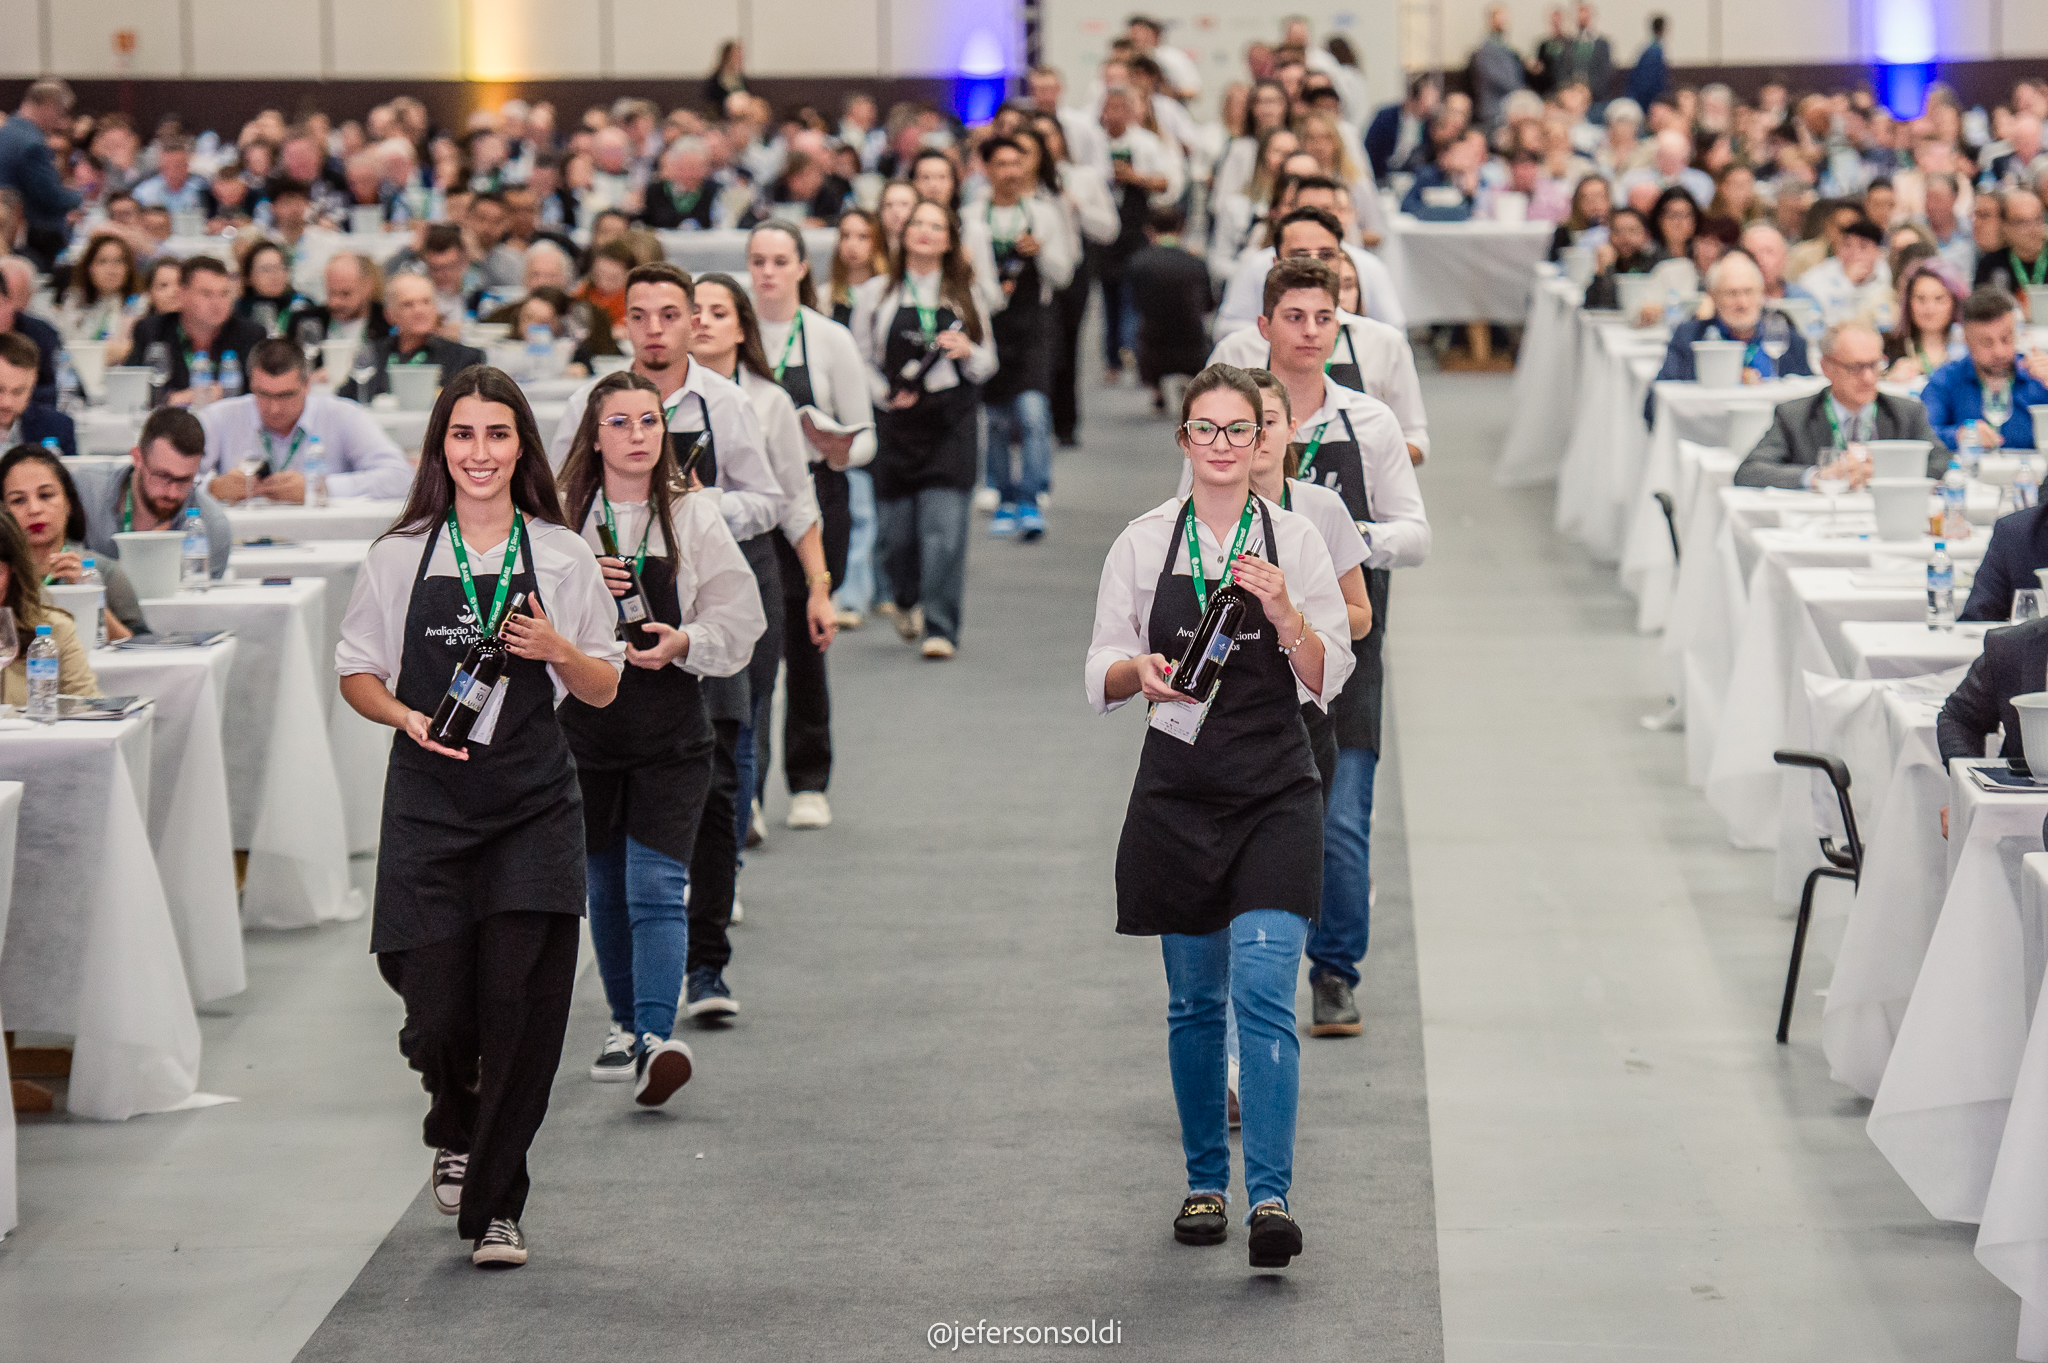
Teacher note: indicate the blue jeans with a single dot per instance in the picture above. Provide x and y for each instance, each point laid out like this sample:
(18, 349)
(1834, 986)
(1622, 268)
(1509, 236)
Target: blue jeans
(1339, 941)
(1250, 965)
(642, 933)
(924, 549)
(857, 588)
(746, 756)
(1027, 420)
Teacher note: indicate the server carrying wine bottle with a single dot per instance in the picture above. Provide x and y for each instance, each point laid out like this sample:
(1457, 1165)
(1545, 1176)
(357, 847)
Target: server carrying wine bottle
(480, 864)
(1221, 852)
(688, 608)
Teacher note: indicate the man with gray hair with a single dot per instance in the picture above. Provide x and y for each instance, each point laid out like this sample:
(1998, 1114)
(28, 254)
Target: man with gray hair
(685, 195)
(1736, 286)
(1826, 433)
(1765, 245)
(27, 168)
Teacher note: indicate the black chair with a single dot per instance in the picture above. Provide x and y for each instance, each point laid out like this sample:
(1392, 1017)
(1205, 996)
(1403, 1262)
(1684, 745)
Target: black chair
(1670, 519)
(1843, 863)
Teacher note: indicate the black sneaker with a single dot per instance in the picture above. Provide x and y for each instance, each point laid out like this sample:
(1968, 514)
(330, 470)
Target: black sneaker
(500, 1246)
(1335, 1014)
(707, 1000)
(614, 1064)
(1203, 1220)
(446, 1182)
(1275, 1237)
(664, 1067)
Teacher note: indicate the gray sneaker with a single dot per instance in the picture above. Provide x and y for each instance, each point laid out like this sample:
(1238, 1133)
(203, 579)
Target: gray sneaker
(1334, 1012)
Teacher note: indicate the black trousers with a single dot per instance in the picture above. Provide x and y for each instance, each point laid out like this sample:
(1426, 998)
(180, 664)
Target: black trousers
(807, 701)
(714, 863)
(485, 1012)
(1070, 306)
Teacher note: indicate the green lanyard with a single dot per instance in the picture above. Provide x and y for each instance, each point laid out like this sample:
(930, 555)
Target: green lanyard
(639, 559)
(1009, 243)
(684, 205)
(1828, 406)
(2038, 276)
(790, 344)
(1308, 456)
(1244, 525)
(128, 505)
(505, 570)
(927, 317)
(298, 439)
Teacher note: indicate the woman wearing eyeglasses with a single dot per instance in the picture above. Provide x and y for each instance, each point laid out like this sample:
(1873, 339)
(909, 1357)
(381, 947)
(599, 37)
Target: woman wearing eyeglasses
(1222, 848)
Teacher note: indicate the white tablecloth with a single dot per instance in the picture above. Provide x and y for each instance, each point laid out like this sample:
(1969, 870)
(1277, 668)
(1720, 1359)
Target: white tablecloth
(10, 817)
(379, 246)
(188, 801)
(1892, 648)
(284, 794)
(409, 429)
(352, 518)
(1546, 384)
(1604, 459)
(1461, 271)
(702, 252)
(91, 950)
(2012, 1238)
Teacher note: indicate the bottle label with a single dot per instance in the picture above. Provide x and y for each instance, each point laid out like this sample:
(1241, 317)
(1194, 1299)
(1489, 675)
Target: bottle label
(487, 722)
(1219, 648)
(42, 669)
(632, 609)
(468, 690)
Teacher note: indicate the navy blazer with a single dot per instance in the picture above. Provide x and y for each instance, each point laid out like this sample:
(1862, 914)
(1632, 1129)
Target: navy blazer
(1382, 135)
(27, 168)
(1678, 361)
(49, 343)
(2010, 665)
(2019, 545)
(40, 423)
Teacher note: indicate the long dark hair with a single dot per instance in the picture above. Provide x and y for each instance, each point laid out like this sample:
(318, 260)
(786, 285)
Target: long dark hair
(74, 513)
(752, 353)
(956, 276)
(433, 490)
(82, 286)
(806, 291)
(953, 171)
(1674, 194)
(24, 585)
(1048, 172)
(1249, 128)
(583, 472)
(878, 254)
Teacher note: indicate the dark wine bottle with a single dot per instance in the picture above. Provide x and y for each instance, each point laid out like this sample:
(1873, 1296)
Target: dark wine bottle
(911, 380)
(471, 687)
(633, 608)
(1213, 640)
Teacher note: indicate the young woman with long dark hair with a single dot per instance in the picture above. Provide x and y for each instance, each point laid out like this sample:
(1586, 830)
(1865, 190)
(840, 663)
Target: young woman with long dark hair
(480, 868)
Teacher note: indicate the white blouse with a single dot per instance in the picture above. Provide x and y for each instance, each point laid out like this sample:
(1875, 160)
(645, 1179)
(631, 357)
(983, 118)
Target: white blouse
(1130, 579)
(571, 585)
(719, 601)
(839, 379)
(789, 454)
(1386, 367)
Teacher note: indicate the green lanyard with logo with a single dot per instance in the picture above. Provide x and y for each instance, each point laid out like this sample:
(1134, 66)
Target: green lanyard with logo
(270, 454)
(688, 202)
(790, 344)
(927, 317)
(1308, 455)
(1244, 525)
(2036, 276)
(611, 525)
(488, 627)
(1002, 243)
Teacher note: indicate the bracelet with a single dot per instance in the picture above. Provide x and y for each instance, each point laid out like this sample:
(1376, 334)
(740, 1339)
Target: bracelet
(1289, 650)
(818, 580)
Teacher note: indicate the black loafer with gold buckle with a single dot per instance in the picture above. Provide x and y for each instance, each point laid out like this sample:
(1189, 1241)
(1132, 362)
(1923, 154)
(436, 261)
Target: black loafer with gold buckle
(1203, 1220)
(1275, 1238)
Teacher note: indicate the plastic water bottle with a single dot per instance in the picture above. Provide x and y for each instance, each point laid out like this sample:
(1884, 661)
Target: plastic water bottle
(42, 677)
(230, 373)
(53, 445)
(202, 378)
(1969, 447)
(1674, 310)
(195, 563)
(540, 352)
(89, 576)
(69, 396)
(1941, 589)
(1955, 492)
(2026, 486)
(316, 472)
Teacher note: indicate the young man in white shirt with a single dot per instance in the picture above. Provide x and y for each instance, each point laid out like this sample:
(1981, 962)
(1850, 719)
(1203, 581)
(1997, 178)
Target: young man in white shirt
(278, 419)
(1854, 284)
(1376, 293)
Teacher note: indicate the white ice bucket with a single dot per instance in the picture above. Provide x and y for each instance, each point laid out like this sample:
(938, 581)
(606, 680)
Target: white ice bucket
(338, 358)
(1718, 363)
(1896, 459)
(1747, 425)
(366, 219)
(1510, 206)
(150, 560)
(89, 362)
(1634, 290)
(127, 388)
(1901, 507)
(2033, 708)
(414, 385)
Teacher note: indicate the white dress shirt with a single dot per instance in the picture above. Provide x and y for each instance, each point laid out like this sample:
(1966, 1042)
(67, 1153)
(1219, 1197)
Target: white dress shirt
(1087, 144)
(1245, 299)
(1130, 579)
(362, 460)
(1326, 511)
(719, 600)
(1386, 367)
(571, 586)
(789, 454)
(1038, 214)
(753, 500)
(1150, 155)
(838, 375)
(1084, 191)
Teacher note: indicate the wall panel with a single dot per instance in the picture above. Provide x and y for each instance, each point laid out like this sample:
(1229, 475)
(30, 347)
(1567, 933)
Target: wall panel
(654, 38)
(82, 32)
(235, 38)
(936, 38)
(513, 38)
(1775, 31)
(22, 22)
(2023, 28)
(428, 41)
(806, 37)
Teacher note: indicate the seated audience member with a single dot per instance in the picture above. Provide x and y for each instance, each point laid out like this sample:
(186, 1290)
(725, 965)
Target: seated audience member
(17, 286)
(1956, 393)
(605, 287)
(1671, 164)
(1585, 222)
(1170, 288)
(1928, 331)
(276, 418)
(2024, 258)
(495, 264)
(105, 296)
(354, 310)
(1854, 284)
(414, 339)
(23, 420)
(2019, 546)
(1447, 189)
(1735, 287)
(152, 491)
(204, 324)
(1825, 432)
(684, 197)
(1765, 245)
(2011, 665)
(1627, 250)
(44, 502)
(22, 596)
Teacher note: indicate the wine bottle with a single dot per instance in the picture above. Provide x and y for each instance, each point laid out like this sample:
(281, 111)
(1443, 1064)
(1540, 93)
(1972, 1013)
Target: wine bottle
(470, 689)
(633, 608)
(1214, 637)
(911, 380)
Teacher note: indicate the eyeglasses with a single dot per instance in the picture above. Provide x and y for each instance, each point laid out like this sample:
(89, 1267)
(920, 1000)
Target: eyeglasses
(1238, 434)
(648, 421)
(1867, 370)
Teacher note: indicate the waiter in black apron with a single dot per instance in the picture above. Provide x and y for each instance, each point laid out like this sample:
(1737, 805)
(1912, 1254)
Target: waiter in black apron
(1221, 853)
(1351, 444)
(480, 869)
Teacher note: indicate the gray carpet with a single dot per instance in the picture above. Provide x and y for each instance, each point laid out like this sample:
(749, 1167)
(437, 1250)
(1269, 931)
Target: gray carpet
(947, 1096)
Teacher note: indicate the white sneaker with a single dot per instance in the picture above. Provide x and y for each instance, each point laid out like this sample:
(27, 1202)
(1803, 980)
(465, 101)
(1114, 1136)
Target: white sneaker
(937, 649)
(500, 1246)
(757, 827)
(449, 1169)
(665, 1066)
(987, 499)
(910, 624)
(849, 619)
(614, 1064)
(808, 809)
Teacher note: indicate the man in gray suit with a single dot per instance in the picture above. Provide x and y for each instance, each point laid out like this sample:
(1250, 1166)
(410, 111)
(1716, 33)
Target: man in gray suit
(1823, 433)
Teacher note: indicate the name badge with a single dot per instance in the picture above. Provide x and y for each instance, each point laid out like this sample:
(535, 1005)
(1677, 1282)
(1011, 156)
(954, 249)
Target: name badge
(1181, 719)
(487, 722)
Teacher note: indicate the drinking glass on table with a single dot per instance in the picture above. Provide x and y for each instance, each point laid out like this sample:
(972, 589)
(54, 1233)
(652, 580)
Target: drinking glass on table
(1997, 406)
(1831, 484)
(1777, 338)
(2026, 605)
(251, 465)
(10, 643)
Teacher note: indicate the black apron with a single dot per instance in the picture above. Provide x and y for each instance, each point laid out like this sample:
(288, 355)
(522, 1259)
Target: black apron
(1355, 713)
(644, 761)
(935, 443)
(731, 698)
(1234, 821)
(500, 833)
(835, 502)
(1023, 329)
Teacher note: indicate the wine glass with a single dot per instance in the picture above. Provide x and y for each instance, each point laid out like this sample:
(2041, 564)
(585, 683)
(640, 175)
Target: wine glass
(10, 642)
(1831, 485)
(1777, 338)
(251, 465)
(158, 358)
(2026, 605)
(1997, 405)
